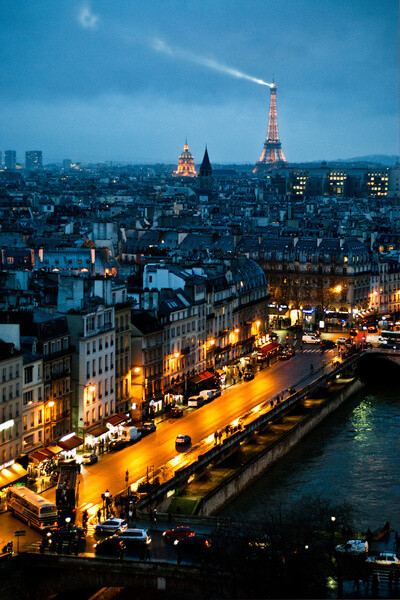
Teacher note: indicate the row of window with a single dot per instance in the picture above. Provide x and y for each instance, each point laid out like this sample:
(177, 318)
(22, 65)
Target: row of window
(93, 322)
(99, 364)
(11, 372)
(13, 392)
(55, 346)
(91, 346)
(99, 413)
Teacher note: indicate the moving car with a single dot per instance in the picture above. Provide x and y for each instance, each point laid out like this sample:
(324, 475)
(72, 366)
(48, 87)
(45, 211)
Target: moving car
(179, 533)
(135, 536)
(384, 558)
(341, 340)
(196, 544)
(147, 428)
(183, 440)
(176, 412)
(248, 376)
(111, 546)
(286, 353)
(327, 344)
(89, 458)
(65, 532)
(353, 332)
(113, 525)
(353, 547)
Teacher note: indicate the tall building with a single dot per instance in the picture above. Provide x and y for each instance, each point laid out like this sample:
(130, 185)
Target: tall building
(10, 159)
(185, 164)
(272, 155)
(205, 182)
(33, 159)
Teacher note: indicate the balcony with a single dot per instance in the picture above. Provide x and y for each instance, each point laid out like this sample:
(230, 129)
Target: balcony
(58, 354)
(60, 374)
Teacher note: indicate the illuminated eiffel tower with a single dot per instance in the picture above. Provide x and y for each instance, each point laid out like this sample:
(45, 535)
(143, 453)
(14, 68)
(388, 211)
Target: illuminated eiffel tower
(272, 156)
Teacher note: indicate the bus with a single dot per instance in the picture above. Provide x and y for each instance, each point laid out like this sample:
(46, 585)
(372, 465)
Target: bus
(37, 511)
(67, 492)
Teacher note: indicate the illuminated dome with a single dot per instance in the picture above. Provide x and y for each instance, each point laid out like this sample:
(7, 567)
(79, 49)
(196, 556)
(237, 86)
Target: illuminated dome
(185, 164)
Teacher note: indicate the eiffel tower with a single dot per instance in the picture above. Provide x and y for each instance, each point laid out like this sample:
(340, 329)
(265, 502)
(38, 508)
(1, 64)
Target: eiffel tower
(272, 156)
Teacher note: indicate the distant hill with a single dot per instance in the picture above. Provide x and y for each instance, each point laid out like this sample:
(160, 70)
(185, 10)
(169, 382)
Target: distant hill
(383, 159)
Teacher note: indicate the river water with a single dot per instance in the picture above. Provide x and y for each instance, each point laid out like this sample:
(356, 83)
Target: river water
(353, 456)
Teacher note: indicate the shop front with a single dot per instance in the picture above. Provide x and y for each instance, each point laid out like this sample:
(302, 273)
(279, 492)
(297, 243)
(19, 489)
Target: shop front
(10, 473)
(173, 397)
(202, 381)
(42, 468)
(69, 444)
(97, 439)
(115, 424)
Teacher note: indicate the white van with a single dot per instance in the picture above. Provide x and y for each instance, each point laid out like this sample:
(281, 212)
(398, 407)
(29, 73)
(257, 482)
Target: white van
(196, 401)
(130, 434)
(310, 339)
(208, 395)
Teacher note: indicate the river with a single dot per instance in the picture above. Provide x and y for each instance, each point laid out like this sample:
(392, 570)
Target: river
(353, 456)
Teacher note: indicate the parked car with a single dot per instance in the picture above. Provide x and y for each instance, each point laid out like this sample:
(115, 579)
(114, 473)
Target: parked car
(183, 440)
(341, 340)
(111, 546)
(248, 376)
(384, 558)
(147, 428)
(135, 536)
(372, 329)
(310, 339)
(176, 412)
(353, 332)
(273, 336)
(178, 533)
(117, 445)
(195, 401)
(113, 525)
(328, 344)
(89, 458)
(353, 547)
(67, 533)
(196, 544)
(209, 395)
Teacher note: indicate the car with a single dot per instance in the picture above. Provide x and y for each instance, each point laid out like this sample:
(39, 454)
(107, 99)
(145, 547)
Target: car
(341, 340)
(248, 376)
(117, 445)
(147, 428)
(286, 353)
(178, 533)
(372, 329)
(176, 413)
(183, 440)
(135, 536)
(353, 332)
(89, 458)
(327, 344)
(384, 558)
(111, 546)
(196, 401)
(353, 547)
(113, 525)
(310, 339)
(67, 532)
(194, 544)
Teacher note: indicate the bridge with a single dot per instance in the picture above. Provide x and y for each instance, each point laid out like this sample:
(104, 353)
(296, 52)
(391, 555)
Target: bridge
(381, 365)
(39, 576)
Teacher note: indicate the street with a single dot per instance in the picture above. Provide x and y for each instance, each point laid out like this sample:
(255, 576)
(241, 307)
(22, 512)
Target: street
(157, 450)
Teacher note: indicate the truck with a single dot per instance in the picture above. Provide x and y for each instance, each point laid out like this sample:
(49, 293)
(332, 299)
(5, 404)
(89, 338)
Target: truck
(67, 492)
(130, 434)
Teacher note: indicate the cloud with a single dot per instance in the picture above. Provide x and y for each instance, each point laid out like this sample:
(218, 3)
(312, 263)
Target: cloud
(86, 18)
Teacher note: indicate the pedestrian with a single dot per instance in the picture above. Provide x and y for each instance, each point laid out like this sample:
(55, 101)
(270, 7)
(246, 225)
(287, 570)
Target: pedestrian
(99, 515)
(311, 368)
(216, 437)
(220, 436)
(227, 430)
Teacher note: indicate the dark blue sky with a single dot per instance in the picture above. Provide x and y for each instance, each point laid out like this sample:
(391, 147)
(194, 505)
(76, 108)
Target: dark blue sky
(124, 79)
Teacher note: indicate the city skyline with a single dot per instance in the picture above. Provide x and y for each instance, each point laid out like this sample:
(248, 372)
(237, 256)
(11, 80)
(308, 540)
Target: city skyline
(131, 83)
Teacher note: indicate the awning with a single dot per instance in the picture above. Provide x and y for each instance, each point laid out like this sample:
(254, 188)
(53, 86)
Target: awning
(71, 443)
(220, 372)
(98, 431)
(196, 379)
(11, 474)
(39, 456)
(206, 375)
(117, 419)
(54, 449)
(268, 348)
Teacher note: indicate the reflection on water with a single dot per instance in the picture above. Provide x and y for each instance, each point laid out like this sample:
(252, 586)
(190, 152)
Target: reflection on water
(353, 456)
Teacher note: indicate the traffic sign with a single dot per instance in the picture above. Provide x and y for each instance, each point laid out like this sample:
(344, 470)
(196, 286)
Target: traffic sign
(20, 532)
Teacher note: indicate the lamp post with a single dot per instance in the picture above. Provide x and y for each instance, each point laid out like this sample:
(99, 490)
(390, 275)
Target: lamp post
(106, 501)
